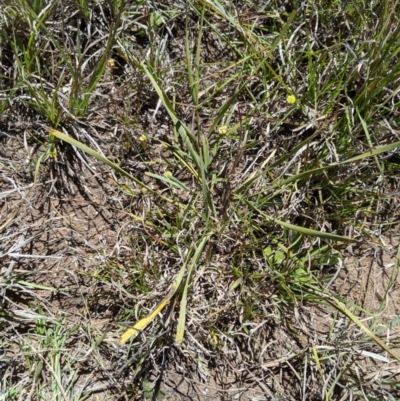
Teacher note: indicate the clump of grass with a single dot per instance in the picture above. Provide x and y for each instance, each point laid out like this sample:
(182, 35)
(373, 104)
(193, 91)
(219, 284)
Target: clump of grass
(255, 150)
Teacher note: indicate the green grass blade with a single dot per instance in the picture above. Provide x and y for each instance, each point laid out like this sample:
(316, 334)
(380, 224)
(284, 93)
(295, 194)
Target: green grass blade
(302, 230)
(83, 104)
(371, 153)
(171, 180)
(339, 305)
(185, 133)
(183, 308)
(102, 158)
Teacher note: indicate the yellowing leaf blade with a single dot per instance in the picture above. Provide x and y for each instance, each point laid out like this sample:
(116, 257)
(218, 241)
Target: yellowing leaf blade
(143, 323)
(102, 158)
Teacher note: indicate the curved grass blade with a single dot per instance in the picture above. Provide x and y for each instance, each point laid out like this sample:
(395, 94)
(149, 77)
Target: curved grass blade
(143, 323)
(172, 181)
(339, 305)
(82, 103)
(182, 313)
(181, 156)
(103, 159)
(303, 230)
(185, 133)
(371, 153)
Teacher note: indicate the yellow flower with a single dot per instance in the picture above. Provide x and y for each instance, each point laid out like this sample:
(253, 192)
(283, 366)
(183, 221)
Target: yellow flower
(291, 99)
(168, 174)
(111, 63)
(143, 138)
(222, 130)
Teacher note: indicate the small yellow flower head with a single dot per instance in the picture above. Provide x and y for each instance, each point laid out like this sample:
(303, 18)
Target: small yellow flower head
(143, 138)
(111, 63)
(168, 174)
(291, 99)
(223, 129)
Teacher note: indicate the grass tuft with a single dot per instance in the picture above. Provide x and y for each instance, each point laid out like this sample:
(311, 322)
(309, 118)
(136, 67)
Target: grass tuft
(199, 193)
